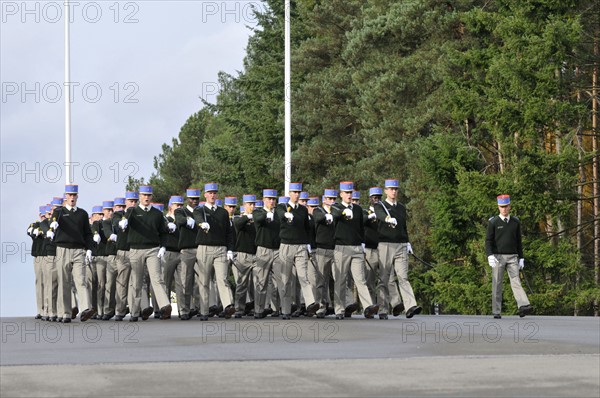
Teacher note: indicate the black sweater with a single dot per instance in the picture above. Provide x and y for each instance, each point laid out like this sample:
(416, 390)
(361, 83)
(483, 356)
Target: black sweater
(324, 233)
(48, 247)
(504, 238)
(172, 244)
(371, 230)
(220, 232)
(146, 229)
(296, 232)
(73, 230)
(122, 242)
(245, 235)
(37, 244)
(107, 228)
(386, 232)
(99, 249)
(267, 232)
(348, 232)
(187, 236)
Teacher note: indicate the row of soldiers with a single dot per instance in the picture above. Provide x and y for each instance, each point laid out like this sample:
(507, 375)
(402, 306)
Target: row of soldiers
(283, 254)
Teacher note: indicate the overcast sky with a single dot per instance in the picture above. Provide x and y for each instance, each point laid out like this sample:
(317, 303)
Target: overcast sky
(138, 69)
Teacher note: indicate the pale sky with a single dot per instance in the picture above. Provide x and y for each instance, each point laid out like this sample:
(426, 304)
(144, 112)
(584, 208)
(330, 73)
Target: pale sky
(138, 69)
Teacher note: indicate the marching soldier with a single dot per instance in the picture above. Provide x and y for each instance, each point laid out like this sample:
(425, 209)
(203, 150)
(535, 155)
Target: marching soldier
(110, 250)
(394, 247)
(98, 265)
(349, 254)
(245, 247)
(293, 252)
(119, 235)
(50, 274)
(215, 251)
(146, 238)
(325, 243)
(267, 268)
(188, 230)
(70, 229)
(504, 248)
(172, 264)
(35, 233)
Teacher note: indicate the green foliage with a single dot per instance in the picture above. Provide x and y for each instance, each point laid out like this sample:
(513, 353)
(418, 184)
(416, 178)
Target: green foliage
(461, 100)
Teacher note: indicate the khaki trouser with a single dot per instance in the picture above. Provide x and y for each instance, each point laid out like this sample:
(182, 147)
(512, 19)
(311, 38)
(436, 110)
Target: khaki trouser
(101, 265)
(50, 286)
(142, 260)
(212, 260)
(324, 262)
(510, 262)
(171, 264)
(38, 263)
(244, 267)
(371, 270)
(188, 277)
(70, 269)
(110, 292)
(264, 260)
(393, 256)
(294, 256)
(123, 281)
(349, 259)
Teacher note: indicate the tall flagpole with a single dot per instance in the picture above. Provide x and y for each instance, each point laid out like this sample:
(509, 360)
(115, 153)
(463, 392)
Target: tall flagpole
(288, 101)
(67, 91)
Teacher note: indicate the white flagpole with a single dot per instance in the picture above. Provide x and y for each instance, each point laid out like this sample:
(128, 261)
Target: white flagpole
(67, 90)
(288, 101)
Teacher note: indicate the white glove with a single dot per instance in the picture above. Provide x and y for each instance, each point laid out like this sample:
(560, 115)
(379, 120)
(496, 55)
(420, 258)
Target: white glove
(348, 214)
(328, 218)
(269, 216)
(190, 223)
(492, 261)
(50, 235)
(289, 216)
(309, 248)
(113, 237)
(250, 216)
(409, 249)
(36, 231)
(161, 252)
(521, 263)
(96, 238)
(392, 221)
(88, 256)
(363, 247)
(372, 216)
(123, 223)
(29, 230)
(172, 227)
(53, 225)
(229, 255)
(205, 226)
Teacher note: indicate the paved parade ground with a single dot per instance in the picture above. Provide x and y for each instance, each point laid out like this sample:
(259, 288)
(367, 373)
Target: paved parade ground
(447, 355)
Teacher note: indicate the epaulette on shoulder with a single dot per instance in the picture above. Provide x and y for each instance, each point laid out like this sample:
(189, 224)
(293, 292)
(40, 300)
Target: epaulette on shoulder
(516, 218)
(492, 218)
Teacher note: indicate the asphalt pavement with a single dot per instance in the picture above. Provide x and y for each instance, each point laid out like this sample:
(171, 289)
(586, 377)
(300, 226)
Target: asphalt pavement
(444, 355)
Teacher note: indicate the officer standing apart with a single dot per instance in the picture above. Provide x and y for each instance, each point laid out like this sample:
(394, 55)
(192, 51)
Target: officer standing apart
(215, 250)
(70, 230)
(147, 241)
(504, 248)
(293, 251)
(394, 247)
